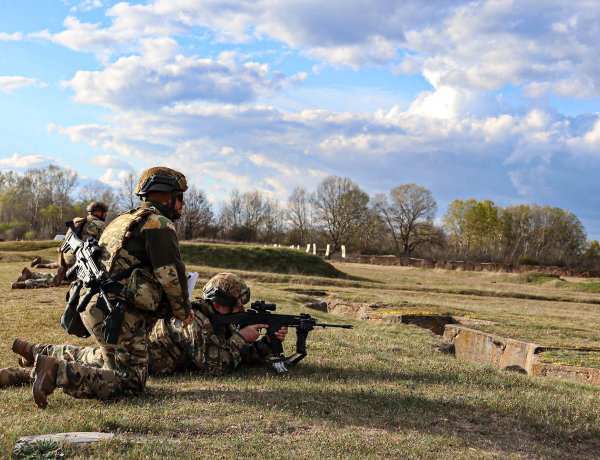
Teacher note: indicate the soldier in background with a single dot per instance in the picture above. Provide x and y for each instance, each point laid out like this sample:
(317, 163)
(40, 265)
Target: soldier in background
(90, 226)
(143, 238)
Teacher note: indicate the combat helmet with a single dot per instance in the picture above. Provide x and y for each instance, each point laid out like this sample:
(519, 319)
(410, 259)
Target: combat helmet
(227, 289)
(160, 179)
(96, 206)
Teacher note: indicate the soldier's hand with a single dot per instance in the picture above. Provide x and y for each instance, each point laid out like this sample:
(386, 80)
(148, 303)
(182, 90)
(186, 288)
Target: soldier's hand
(251, 333)
(188, 319)
(280, 334)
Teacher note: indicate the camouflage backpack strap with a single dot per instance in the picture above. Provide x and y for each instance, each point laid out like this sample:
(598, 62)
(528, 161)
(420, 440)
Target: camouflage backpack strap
(116, 234)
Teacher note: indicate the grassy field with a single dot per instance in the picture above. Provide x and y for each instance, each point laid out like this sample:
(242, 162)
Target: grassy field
(377, 391)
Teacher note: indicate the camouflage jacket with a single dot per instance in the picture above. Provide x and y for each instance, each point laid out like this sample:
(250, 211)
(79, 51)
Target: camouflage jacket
(215, 351)
(145, 236)
(86, 226)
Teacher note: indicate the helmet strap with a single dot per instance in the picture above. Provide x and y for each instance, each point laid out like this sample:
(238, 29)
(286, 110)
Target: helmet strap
(174, 199)
(163, 208)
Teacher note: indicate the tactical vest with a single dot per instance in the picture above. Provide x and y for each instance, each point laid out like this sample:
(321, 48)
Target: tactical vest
(116, 234)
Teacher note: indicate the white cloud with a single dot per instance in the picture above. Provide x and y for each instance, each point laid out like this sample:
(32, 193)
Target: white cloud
(161, 77)
(10, 83)
(262, 147)
(529, 181)
(87, 5)
(114, 177)
(14, 37)
(18, 161)
(112, 162)
(483, 46)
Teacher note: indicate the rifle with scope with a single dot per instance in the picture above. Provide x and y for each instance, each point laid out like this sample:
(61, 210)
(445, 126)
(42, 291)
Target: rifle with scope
(260, 313)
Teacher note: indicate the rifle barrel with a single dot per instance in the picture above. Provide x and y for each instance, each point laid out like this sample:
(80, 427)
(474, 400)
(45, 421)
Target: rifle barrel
(343, 326)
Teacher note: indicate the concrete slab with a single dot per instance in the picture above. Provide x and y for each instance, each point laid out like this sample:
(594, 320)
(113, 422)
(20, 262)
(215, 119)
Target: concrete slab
(479, 347)
(77, 437)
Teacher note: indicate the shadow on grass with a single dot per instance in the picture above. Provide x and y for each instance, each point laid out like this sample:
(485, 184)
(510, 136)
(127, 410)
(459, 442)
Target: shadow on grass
(522, 431)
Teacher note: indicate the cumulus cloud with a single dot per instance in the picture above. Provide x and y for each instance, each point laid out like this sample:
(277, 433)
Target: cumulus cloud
(219, 117)
(10, 83)
(160, 76)
(17, 161)
(265, 148)
(484, 44)
(114, 177)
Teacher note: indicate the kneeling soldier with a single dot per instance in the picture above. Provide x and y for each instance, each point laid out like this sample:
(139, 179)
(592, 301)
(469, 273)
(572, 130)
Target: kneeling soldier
(144, 237)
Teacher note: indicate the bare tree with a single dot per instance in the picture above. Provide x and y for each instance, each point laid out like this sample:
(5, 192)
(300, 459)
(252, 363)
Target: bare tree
(64, 182)
(126, 198)
(197, 215)
(231, 210)
(273, 225)
(409, 214)
(251, 216)
(340, 208)
(299, 214)
(96, 191)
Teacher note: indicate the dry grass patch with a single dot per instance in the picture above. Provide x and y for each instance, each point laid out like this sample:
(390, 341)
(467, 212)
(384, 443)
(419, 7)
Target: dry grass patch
(377, 391)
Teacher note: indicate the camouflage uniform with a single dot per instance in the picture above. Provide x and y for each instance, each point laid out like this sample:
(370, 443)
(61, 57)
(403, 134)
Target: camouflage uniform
(37, 280)
(200, 346)
(90, 226)
(158, 288)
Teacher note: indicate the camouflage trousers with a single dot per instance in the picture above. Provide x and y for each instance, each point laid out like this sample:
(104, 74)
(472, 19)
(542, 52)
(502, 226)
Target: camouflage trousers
(39, 280)
(106, 371)
(166, 357)
(48, 265)
(68, 353)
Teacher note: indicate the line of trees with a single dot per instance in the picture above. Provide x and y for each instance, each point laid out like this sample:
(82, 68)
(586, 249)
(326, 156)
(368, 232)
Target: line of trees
(35, 205)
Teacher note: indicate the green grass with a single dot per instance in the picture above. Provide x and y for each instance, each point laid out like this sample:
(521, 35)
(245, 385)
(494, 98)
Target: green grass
(256, 258)
(377, 391)
(535, 278)
(589, 286)
(571, 358)
(27, 246)
(231, 257)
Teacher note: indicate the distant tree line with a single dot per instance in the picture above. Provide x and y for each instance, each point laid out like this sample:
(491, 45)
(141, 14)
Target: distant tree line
(35, 205)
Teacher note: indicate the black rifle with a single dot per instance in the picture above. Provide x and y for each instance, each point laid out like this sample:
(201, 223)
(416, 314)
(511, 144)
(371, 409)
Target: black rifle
(95, 279)
(259, 313)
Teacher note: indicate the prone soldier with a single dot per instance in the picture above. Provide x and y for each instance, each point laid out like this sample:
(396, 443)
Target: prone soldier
(214, 350)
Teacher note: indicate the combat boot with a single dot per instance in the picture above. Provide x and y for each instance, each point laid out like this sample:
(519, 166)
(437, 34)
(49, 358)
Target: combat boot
(18, 285)
(11, 376)
(26, 350)
(37, 260)
(25, 275)
(46, 370)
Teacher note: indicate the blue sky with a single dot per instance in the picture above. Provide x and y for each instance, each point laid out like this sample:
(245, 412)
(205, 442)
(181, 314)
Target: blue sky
(491, 99)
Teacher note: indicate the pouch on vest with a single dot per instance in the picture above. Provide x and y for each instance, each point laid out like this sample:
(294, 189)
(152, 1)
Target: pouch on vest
(143, 290)
(71, 319)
